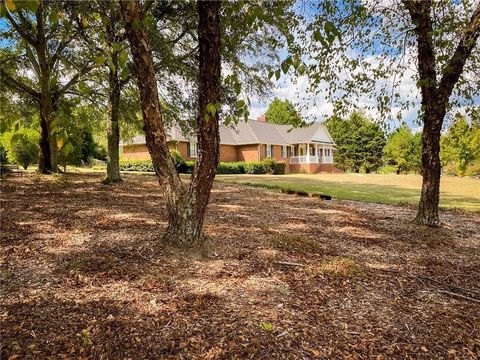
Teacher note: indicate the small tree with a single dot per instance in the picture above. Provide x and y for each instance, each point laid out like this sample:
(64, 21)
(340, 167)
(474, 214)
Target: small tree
(403, 150)
(459, 146)
(283, 112)
(24, 148)
(359, 142)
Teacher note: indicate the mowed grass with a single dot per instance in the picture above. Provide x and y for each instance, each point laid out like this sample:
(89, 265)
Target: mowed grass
(455, 192)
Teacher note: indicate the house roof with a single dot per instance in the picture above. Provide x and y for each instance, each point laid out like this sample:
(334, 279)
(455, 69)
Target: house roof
(256, 132)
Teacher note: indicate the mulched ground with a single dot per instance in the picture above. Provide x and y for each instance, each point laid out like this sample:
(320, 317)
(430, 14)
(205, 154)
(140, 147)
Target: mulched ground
(84, 275)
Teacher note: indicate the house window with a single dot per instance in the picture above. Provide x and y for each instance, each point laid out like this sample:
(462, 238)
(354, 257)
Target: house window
(192, 149)
(284, 152)
(268, 151)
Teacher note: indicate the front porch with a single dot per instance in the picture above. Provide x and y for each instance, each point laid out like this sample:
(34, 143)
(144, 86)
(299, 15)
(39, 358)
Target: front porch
(312, 154)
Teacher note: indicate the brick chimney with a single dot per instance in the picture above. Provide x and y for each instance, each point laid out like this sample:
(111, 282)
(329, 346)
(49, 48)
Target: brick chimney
(262, 118)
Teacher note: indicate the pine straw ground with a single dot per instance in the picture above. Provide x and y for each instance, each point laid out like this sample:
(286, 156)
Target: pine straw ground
(84, 275)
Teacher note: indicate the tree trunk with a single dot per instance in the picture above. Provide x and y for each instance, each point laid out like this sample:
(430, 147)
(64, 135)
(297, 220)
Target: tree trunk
(185, 225)
(113, 133)
(155, 136)
(435, 98)
(430, 196)
(48, 144)
(45, 159)
(186, 207)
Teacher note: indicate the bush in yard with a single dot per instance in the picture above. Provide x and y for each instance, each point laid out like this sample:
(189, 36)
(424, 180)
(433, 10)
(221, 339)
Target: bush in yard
(25, 151)
(189, 165)
(179, 161)
(231, 168)
(136, 165)
(279, 168)
(254, 167)
(269, 166)
(21, 146)
(266, 166)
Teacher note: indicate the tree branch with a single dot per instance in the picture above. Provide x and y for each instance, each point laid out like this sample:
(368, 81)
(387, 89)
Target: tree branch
(84, 70)
(18, 28)
(454, 68)
(18, 85)
(419, 11)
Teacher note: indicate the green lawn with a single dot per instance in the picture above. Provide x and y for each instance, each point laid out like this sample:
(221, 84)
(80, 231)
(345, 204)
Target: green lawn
(388, 189)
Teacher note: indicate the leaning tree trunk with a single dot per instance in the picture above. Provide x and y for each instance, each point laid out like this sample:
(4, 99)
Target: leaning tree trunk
(113, 133)
(186, 221)
(155, 135)
(186, 207)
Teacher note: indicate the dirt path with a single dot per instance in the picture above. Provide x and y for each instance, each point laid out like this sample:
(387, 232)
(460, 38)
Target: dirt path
(83, 275)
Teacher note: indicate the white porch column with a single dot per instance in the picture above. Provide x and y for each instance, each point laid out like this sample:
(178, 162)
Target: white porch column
(308, 153)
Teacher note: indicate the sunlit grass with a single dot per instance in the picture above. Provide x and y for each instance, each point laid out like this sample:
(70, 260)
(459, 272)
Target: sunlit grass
(455, 192)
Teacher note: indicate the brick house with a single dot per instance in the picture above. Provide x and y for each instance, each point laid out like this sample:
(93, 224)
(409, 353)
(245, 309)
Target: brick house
(309, 149)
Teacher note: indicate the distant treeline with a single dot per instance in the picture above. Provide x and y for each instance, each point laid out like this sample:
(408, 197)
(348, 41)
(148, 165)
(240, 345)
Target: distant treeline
(363, 146)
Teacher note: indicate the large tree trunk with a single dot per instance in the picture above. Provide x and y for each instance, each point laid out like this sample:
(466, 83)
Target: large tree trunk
(186, 222)
(45, 159)
(113, 132)
(186, 207)
(48, 144)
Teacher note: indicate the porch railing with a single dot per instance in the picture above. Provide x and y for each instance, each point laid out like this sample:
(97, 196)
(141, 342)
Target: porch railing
(312, 159)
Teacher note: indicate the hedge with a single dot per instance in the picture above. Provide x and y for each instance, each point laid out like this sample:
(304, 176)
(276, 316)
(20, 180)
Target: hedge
(136, 165)
(268, 166)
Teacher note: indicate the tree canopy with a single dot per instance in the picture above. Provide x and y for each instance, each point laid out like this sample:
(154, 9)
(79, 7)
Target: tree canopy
(460, 148)
(359, 142)
(283, 112)
(403, 150)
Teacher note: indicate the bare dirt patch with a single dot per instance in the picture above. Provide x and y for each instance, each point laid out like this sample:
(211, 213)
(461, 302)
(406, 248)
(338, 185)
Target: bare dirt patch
(84, 274)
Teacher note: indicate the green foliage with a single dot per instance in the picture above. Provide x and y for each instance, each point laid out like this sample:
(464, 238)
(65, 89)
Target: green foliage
(21, 146)
(266, 326)
(283, 112)
(179, 161)
(24, 148)
(362, 48)
(359, 142)
(77, 146)
(87, 147)
(136, 165)
(460, 148)
(189, 165)
(231, 168)
(279, 168)
(403, 150)
(254, 167)
(267, 166)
